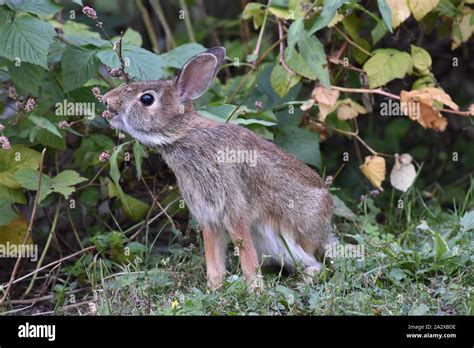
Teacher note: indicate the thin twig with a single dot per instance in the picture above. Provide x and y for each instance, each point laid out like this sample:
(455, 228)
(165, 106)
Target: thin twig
(393, 96)
(30, 227)
(52, 232)
(155, 199)
(360, 48)
(282, 49)
(47, 266)
(260, 35)
(156, 6)
(148, 25)
(118, 49)
(187, 20)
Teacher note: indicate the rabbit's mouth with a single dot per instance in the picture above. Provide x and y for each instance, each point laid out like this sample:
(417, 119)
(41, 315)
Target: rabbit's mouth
(117, 121)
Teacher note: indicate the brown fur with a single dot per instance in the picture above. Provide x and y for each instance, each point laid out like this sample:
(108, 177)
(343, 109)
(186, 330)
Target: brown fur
(278, 198)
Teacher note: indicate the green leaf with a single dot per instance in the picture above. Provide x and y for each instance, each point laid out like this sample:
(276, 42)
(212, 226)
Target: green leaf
(295, 32)
(379, 31)
(16, 158)
(140, 63)
(6, 14)
(341, 209)
(131, 37)
(440, 245)
(467, 221)
(78, 66)
(301, 143)
(27, 77)
(386, 14)
(39, 7)
(7, 214)
(133, 207)
(62, 183)
(296, 62)
(28, 179)
(254, 10)
(138, 154)
(280, 12)
(421, 59)
(44, 123)
(81, 34)
(352, 25)
(12, 195)
(65, 181)
(327, 14)
(282, 81)
(181, 54)
(447, 8)
(387, 64)
(312, 51)
(26, 38)
(48, 139)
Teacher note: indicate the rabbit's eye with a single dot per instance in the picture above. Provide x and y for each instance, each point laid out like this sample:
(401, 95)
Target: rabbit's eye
(147, 99)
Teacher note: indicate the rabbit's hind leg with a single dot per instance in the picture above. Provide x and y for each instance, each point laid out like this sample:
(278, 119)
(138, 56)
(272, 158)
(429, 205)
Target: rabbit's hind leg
(242, 239)
(215, 247)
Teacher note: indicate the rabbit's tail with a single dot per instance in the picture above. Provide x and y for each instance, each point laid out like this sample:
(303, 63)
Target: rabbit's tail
(279, 247)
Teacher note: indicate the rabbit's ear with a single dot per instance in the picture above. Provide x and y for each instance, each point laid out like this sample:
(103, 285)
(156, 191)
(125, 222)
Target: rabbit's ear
(198, 73)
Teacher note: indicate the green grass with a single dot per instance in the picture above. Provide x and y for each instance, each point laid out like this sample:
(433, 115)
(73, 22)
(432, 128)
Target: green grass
(418, 260)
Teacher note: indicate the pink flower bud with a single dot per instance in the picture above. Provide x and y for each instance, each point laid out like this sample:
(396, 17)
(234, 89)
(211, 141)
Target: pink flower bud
(30, 105)
(63, 124)
(96, 92)
(12, 93)
(5, 143)
(89, 12)
(107, 114)
(104, 156)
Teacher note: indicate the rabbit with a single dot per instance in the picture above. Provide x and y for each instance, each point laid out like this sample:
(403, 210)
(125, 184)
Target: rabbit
(275, 207)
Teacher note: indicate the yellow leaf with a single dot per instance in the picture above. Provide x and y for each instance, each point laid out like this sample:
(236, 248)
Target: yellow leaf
(462, 28)
(403, 173)
(15, 232)
(326, 99)
(374, 169)
(441, 96)
(421, 8)
(349, 109)
(337, 18)
(400, 11)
